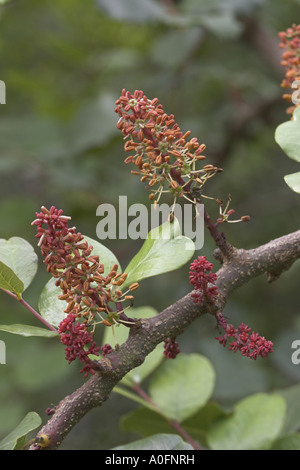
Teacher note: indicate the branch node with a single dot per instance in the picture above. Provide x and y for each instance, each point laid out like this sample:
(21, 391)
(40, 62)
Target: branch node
(226, 254)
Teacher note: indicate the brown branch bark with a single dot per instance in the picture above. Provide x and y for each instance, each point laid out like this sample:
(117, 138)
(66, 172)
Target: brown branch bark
(271, 259)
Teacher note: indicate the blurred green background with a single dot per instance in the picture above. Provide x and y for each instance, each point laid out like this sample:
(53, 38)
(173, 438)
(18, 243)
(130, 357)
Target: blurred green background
(215, 65)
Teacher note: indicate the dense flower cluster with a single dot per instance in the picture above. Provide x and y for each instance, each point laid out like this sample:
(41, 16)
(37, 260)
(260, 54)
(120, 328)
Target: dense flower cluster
(171, 348)
(88, 293)
(76, 337)
(161, 153)
(290, 41)
(241, 339)
(201, 277)
(249, 343)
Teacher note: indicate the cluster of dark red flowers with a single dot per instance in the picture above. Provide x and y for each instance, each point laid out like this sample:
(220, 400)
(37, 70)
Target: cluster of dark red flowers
(290, 41)
(80, 275)
(160, 151)
(76, 337)
(203, 280)
(171, 348)
(241, 339)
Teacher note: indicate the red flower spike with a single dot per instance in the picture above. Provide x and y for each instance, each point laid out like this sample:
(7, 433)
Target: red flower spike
(201, 277)
(241, 339)
(85, 289)
(76, 337)
(158, 147)
(290, 42)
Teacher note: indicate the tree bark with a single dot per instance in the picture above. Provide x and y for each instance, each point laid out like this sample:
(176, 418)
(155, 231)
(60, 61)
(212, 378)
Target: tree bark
(239, 268)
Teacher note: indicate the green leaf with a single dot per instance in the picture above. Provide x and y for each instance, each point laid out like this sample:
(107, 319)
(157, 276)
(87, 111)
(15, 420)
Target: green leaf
(9, 281)
(20, 256)
(50, 307)
(145, 422)
(182, 386)
(138, 374)
(293, 181)
(31, 421)
(106, 257)
(287, 136)
(254, 425)
(53, 309)
(27, 330)
(164, 250)
(157, 442)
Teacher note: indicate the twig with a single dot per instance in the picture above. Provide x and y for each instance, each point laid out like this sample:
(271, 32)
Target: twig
(31, 309)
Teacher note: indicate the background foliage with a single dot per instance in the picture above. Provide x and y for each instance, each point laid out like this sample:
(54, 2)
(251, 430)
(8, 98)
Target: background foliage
(215, 65)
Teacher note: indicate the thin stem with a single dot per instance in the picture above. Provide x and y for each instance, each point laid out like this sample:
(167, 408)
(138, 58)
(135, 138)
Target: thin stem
(184, 434)
(174, 424)
(219, 238)
(31, 309)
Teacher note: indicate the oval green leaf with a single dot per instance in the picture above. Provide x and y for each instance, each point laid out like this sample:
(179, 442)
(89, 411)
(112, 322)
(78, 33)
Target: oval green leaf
(182, 386)
(31, 421)
(293, 181)
(254, 425)
(9, 281)
(157, 442)
(28, 330)
(19, 255)
(164, 250)
(287, 136)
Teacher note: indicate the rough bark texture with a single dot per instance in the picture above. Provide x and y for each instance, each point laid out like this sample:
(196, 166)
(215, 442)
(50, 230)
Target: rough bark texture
(239, 267)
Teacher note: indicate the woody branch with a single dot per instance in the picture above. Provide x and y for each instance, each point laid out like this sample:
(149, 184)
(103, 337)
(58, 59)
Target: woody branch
(270, 259)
